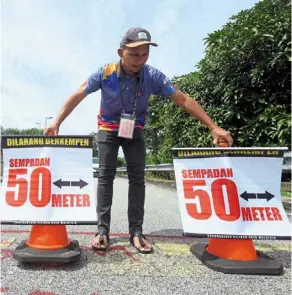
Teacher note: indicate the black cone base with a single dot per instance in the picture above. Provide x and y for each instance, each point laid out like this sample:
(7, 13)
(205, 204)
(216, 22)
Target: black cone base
(265, 265)
(25, 254)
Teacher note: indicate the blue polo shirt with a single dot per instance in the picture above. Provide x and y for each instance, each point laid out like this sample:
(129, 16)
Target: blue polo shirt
(109, 79)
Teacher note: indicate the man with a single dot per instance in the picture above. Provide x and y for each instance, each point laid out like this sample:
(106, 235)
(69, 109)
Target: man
(125, 90)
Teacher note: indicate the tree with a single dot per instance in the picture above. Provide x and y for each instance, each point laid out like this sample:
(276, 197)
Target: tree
(16, 131)
(121, 162)
(243, 82)
(247, 70)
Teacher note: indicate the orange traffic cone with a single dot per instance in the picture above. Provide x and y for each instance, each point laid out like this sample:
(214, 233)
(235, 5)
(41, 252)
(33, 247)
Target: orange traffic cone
(48, 237)
(237, 256)
(234, 249)
(48, 243)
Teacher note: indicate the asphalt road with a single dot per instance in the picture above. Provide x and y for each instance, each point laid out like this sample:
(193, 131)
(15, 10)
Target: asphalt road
(172, 269)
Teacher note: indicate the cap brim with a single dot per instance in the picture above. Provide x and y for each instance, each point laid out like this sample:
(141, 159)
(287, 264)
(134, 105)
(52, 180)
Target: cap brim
(136, 44)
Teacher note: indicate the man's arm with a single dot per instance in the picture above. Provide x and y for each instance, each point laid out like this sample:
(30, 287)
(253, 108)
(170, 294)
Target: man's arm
(193, 107)
(92, 84)
(163, 86)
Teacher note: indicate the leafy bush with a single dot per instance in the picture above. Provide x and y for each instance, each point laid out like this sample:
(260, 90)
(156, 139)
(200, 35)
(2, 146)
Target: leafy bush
(243, 82)
(121, 162)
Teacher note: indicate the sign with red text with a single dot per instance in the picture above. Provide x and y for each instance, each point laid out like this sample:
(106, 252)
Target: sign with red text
(231, 192)
(47, 179)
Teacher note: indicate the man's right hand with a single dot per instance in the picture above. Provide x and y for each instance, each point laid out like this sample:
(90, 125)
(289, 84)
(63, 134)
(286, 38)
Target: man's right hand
(52, 129)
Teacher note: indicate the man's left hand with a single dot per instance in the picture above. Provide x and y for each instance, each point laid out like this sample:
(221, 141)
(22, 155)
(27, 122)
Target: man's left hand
(220, 135)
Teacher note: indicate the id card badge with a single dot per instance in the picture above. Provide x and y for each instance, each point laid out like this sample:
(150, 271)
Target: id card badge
(127, 124)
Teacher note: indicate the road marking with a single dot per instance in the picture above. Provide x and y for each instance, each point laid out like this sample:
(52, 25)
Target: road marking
(17, 231)
(6, 244)
(171, 248)
(184, 249)
(275, 247)
(174, 248)
(118, 248)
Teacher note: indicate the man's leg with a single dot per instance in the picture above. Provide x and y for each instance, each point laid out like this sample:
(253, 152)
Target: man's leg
(108, 147)
(135, 154)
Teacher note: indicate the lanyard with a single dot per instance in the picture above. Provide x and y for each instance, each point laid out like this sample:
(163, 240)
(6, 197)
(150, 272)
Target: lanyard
(136, 96)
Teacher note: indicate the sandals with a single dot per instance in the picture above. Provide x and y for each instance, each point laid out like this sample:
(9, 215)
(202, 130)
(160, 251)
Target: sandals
(140, 236)
(102, 233)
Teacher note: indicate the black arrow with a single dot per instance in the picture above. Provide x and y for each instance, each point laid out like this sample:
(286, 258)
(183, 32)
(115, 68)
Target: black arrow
(261, 196)
(81, 183)
(247, 196)
(266, 195)
(60, 183)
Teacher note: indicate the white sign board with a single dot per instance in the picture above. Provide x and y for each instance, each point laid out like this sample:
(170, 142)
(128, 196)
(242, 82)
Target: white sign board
(231, 192)
(47, 179)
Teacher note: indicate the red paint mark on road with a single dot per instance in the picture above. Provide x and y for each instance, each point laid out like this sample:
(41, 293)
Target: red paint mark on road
(6, 253)
(123, 249)
(17, 231)
(114, 248)
(99, 253)
(14, 231)
(37, 292)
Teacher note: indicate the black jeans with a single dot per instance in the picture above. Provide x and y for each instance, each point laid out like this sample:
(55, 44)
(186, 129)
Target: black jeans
(135, 154)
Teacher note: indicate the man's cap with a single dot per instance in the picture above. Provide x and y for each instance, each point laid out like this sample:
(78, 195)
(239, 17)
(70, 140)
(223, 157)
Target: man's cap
(135, 37)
